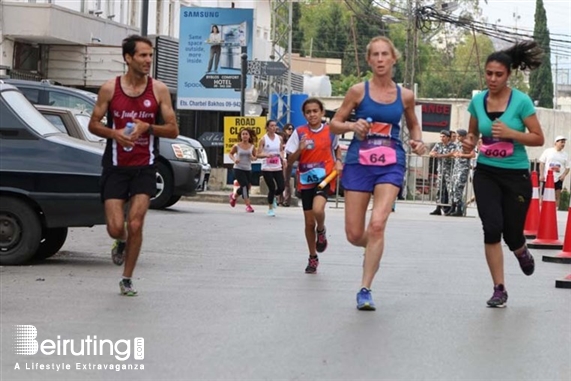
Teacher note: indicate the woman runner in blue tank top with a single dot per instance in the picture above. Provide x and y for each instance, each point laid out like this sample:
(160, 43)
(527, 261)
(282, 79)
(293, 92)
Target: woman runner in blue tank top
(375, 161)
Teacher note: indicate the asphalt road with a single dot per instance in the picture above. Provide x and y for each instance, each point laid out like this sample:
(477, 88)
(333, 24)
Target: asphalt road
(223, 295)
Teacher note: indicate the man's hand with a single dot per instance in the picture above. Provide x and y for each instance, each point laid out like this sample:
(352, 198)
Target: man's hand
(122, 139)
(469, 143)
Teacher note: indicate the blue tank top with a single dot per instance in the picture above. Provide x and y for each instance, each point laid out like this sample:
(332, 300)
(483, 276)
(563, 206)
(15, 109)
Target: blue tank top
(389, 113)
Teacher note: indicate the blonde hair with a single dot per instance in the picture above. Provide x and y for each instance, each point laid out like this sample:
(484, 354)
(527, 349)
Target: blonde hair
(394, 51)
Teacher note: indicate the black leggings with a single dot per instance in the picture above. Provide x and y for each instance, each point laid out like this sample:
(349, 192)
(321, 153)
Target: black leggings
(503, 199)
(245, 180)
(275, 182)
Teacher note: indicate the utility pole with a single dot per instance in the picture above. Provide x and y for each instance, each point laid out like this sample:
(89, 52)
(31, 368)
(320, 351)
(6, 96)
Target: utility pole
(556, 80)
(411, 44)
(355, 46)
(281, 32)
(410, 59)
(145, 17)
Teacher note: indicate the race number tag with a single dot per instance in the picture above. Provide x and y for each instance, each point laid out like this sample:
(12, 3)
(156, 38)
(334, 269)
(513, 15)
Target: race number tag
(274, 160)
(377, 152)
(312, 176)
(497, 149)
(378, 128)
(555, 167)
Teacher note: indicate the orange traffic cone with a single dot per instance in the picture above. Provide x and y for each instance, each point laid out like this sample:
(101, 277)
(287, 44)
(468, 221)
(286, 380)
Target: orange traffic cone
(547, 235)
(565, 255)
(532, 218)
(564, 283)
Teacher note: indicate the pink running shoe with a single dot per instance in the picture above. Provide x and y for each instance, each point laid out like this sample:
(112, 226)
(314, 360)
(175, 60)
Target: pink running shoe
(232, 200)
(249, 209)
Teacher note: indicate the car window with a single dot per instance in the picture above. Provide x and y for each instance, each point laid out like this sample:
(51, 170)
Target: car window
(57, 121)
(28, 113)
(83, 120)
(60, 99)
(33, 95)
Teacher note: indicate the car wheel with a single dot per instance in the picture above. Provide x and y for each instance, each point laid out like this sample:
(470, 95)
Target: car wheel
(52, 240)
(165, 186)
(20, 231)
(173, 200)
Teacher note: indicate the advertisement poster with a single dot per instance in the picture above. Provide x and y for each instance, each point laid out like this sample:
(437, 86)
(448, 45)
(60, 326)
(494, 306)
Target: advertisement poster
(232, 127)
(212, 41)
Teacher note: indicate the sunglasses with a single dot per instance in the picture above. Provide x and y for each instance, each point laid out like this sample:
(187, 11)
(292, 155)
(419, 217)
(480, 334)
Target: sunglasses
(289, 128)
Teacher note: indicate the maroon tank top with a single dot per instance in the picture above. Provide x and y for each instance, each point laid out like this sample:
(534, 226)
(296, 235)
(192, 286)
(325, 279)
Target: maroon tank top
(123, 109)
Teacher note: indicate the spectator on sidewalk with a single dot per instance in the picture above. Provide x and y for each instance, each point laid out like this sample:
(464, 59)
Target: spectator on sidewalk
(443, 152)
(460, 172)
(556, 160)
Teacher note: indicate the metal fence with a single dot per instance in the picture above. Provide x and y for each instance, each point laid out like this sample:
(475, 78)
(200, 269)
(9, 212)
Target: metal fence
(422, 185)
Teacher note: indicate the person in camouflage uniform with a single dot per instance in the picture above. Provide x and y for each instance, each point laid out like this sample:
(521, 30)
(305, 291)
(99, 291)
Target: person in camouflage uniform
(460, 173)
(443, 151)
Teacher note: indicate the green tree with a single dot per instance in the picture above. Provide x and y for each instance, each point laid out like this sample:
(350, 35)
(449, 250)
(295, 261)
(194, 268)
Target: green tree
(296, 32)
(540, 80)
(323, 27)
(366, 25)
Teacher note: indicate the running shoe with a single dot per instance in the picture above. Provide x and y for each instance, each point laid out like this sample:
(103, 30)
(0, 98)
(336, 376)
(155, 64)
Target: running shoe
(275, 204)
(271, 213)
(127, 288)
(249, 209)
(232, 199)
(526, 262)
(312, 264)
(365, 300)
(118, 252)
(321, 243)
(499, 298)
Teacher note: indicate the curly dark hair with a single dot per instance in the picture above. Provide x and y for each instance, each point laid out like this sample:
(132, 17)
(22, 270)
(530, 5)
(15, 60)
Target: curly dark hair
(523, 55)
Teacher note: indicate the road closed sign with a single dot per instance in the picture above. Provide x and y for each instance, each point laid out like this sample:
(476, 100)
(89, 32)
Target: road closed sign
(233, 125)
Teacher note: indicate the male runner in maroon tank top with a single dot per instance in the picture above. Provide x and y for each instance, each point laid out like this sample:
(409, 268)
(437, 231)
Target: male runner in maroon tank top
(129, 161)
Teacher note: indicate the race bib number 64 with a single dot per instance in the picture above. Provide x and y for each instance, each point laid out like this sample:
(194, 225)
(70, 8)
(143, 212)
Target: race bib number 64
(378, 156)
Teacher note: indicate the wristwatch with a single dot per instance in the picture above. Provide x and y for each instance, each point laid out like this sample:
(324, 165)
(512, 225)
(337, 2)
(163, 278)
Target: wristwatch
(150, 129)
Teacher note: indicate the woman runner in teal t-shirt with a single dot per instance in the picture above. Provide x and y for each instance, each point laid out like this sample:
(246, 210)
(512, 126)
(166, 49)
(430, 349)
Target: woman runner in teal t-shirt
(506, 120)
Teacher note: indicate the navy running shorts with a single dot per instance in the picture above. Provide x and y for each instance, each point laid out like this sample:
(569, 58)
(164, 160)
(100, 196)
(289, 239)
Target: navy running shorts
(363, 178)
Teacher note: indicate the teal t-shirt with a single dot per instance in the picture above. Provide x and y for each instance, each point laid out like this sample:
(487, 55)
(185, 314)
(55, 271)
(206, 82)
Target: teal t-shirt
(519, 107)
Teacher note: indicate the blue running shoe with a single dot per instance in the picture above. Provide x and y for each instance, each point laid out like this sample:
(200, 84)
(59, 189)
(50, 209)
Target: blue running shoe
(365, 300)
(271, 213)
(275, 203)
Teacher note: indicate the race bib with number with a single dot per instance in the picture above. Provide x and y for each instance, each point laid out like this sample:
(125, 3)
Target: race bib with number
(312, 176)
(555, 167)
(379, 128)
(274, 160)
(380, 154)
(497, 149)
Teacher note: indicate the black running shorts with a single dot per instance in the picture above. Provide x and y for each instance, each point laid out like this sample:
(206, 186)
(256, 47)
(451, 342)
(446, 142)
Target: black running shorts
(123, 183)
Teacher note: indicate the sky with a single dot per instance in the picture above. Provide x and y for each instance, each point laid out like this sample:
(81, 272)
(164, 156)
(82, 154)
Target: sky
(558, 21)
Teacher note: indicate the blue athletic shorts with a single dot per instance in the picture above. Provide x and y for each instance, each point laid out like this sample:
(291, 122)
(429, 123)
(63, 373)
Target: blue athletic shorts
(363, 178)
